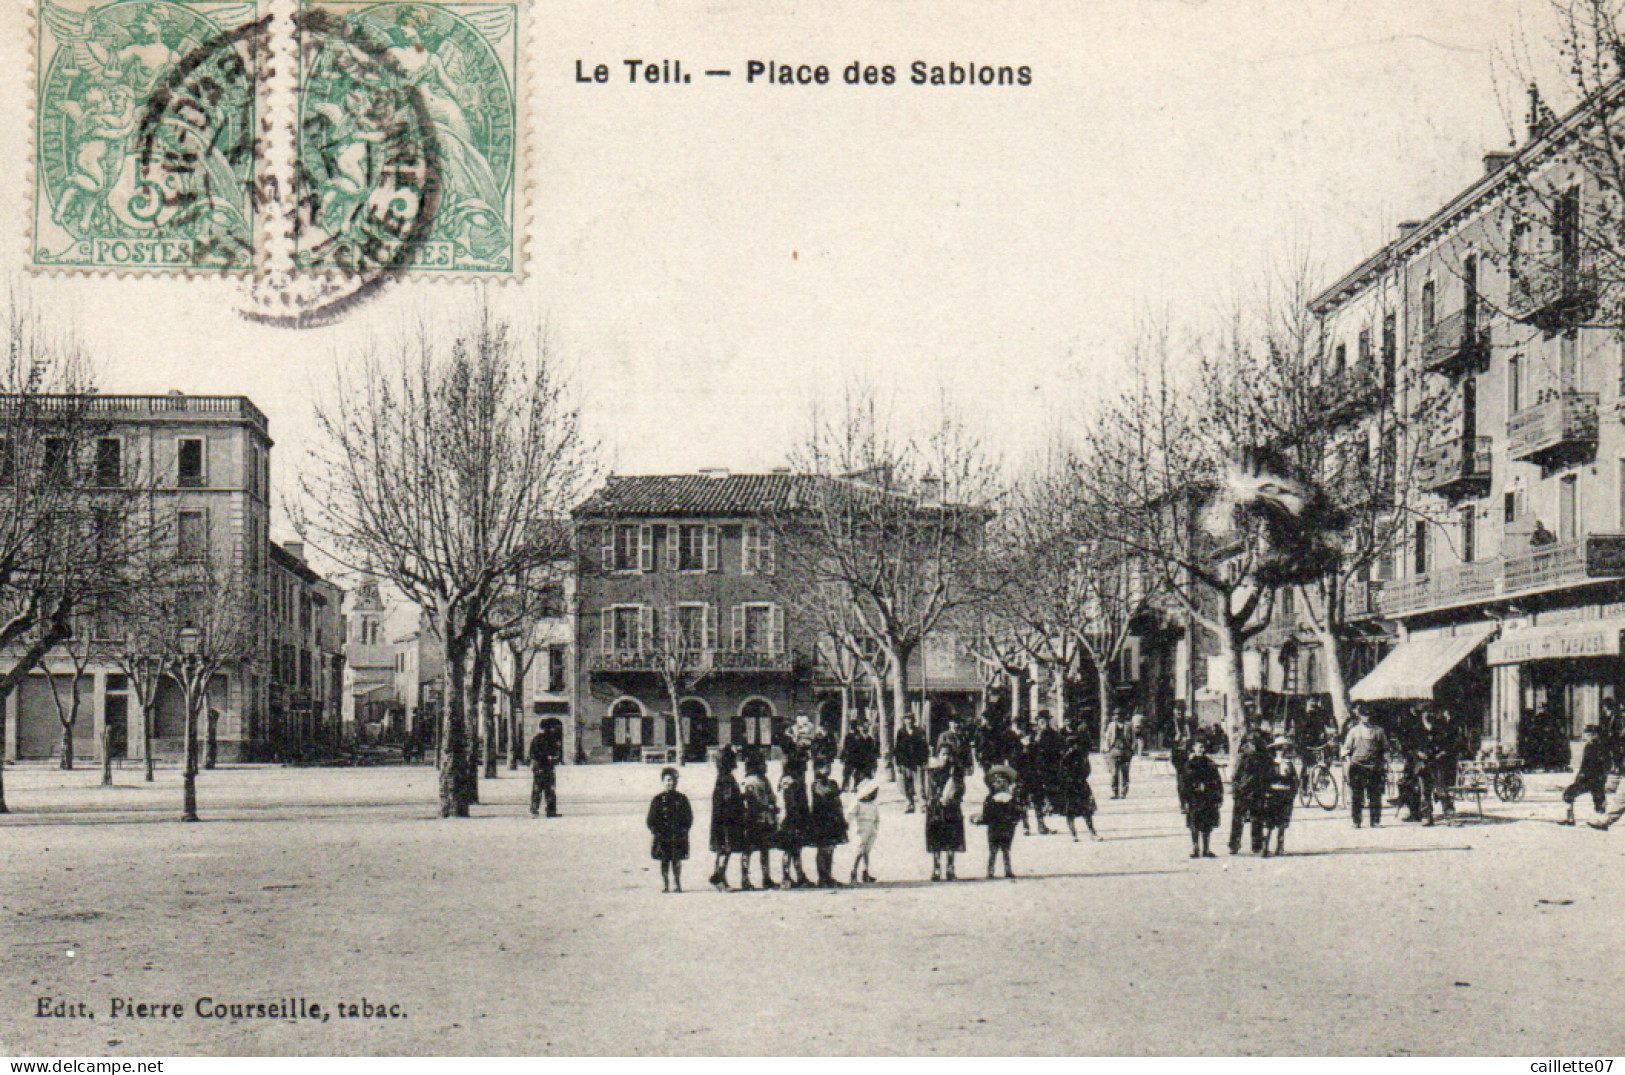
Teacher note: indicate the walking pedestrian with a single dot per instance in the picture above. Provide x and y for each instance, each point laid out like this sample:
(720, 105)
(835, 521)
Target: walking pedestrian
(1077, 798)
(670, 818)
(910, 754)
(865, 827)
(826, 825)
(1365, 749)
(761, 819)
(1203, 789)
(543, 774)
(1253, 767)
(944, 820)
(727, 820)
(1001, 811)
(1591, 777)
(1119, 749)
(1044, 765)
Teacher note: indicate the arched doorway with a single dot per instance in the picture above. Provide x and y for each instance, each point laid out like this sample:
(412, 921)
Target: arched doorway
(829, 715)
(756, 725)
(699, 728)
(624, 728)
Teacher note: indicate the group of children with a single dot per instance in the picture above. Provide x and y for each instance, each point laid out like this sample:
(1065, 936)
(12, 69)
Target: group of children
(1265, 786)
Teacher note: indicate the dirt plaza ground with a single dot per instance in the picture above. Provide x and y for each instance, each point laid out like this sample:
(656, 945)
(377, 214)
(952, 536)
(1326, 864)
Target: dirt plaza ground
(507, 935)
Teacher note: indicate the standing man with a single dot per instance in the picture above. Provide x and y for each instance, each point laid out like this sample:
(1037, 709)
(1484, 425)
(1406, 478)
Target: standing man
(1119, 746)
(911, 752)
(542, 776)
(1365, 749)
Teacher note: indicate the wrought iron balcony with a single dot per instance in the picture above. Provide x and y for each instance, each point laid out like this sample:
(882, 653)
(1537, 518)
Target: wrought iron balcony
(1362, 600)
(1353, 391)
(1458, 467)
(1456, 345)
(1553, 296)
(1560, 428)
(1548, 567)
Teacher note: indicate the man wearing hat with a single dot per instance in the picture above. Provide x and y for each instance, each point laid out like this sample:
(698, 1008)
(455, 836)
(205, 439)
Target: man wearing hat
(1591, 777)
(1365, 749)
(910, 754)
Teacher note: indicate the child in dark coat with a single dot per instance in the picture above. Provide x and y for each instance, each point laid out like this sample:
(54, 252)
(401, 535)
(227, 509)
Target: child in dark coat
(1203, 792)
(1001, 813)
(1278, 794)
(827, 825)
(670, 818)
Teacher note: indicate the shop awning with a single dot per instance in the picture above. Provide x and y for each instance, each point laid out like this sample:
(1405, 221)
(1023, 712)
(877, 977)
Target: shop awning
(1589, 638)
(1416, 664)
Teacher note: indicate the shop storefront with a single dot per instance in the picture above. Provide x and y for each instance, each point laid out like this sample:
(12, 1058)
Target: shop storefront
(1551, 680)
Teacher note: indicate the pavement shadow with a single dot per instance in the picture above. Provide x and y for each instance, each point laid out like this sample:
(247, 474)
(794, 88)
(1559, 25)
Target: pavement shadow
(1369, 851)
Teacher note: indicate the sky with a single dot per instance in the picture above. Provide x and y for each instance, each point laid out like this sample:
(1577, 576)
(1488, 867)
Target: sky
(712, 260)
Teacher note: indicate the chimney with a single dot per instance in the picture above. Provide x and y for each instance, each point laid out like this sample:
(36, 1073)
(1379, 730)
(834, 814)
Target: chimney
(1540, 117)
(175, 392)
(930, 490)
(1497, 159)
(781, 470)
(714, 473)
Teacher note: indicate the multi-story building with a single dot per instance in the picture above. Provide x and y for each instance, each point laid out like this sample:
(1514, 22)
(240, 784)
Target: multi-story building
(685, 564)
(303, 649)
(205, 460)
(369, 664)
(1503, 600)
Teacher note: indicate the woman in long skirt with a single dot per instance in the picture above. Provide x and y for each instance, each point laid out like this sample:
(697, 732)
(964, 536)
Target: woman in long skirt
(1077, 798)
(794, 823)
(944, 820)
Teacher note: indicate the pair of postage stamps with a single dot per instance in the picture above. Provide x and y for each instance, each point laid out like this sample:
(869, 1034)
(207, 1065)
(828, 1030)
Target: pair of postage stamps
(339, 140)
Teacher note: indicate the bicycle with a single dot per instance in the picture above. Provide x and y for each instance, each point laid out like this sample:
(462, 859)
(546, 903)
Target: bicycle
(1318, 782)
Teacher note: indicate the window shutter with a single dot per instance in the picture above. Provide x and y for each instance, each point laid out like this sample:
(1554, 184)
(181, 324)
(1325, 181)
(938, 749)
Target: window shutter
(776, 639)
(674, 538)
(710, 548)
(606, 549)
(748, 556)
(738, 627)
(606, 630)
(710, 627)
(645, 627)
(635, 724)
(768, 564)
(646, 548)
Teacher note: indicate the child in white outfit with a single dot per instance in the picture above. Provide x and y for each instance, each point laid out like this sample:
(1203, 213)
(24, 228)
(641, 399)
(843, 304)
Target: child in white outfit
(865, 820)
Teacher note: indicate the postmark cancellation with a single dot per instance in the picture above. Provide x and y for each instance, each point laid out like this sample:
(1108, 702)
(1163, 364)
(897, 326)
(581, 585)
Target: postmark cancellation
(343, 140)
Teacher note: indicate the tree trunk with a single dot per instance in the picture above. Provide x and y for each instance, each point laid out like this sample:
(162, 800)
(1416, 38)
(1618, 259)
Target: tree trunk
(1103, 684)
(146, 734)
(453, 739)
(1231, 683)
(846, 718)
(107, 757)
(5, 694)
(66, 761)
(1320, 620)
(213, 726)
(899, 680)
(189, 772)
(516, 703)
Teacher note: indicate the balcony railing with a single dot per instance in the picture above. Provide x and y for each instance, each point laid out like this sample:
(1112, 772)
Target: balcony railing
(1457, 467)
(1455, 345)
(1351, 391)
(114, 408)
(1362, 600)
(695, 661)
(1560, 427)
(1549, 567)
(1552, 296)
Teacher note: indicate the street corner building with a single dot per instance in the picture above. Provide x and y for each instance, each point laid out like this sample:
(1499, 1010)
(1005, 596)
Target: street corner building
(196, 471)
(1472, 356)
(688, 611)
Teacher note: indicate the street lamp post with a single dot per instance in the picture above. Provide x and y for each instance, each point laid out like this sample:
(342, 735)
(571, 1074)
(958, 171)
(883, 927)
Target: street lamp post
(189, 638)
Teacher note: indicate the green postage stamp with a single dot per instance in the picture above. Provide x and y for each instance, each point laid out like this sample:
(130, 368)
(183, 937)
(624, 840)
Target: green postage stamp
(284, 140)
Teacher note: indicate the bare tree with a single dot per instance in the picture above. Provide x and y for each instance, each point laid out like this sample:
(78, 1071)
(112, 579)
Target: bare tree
(438, 460)
(892, 528)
